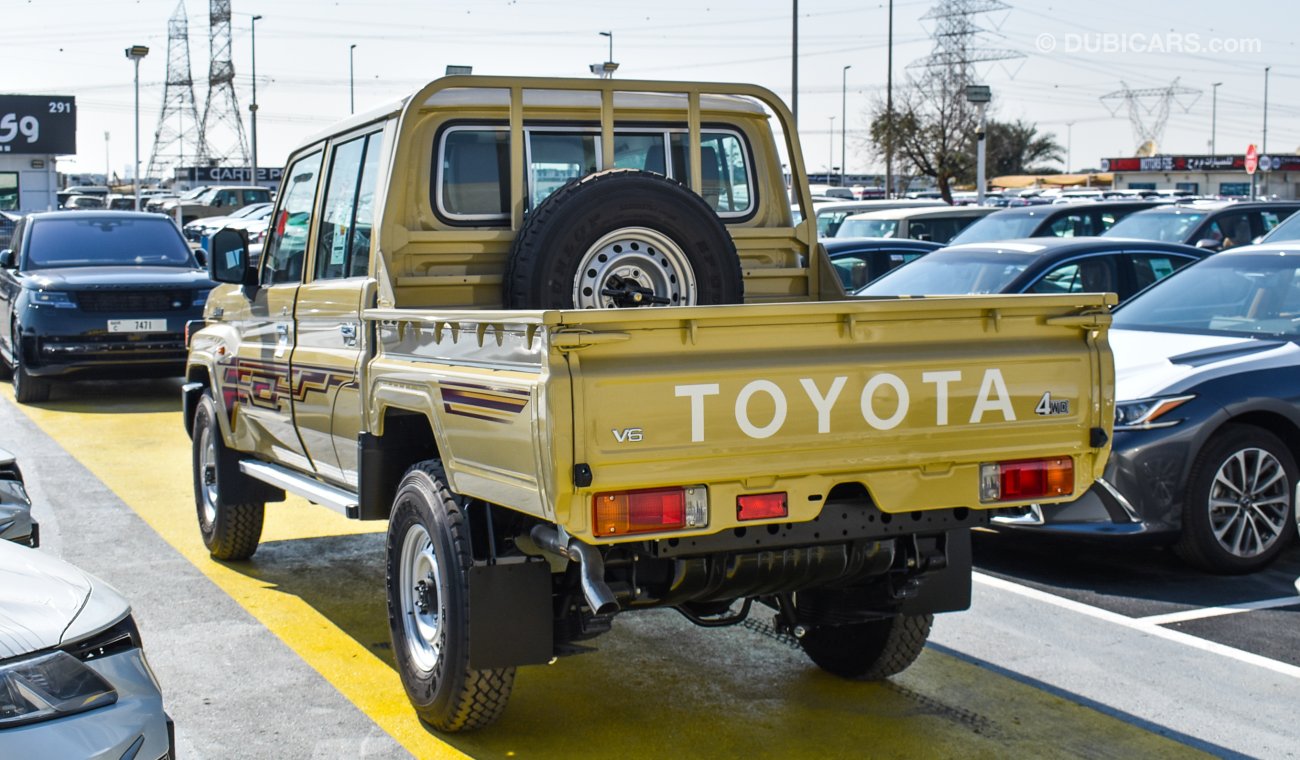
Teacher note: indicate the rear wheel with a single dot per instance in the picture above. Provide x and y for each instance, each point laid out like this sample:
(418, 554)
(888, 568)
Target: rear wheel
(231, 531)
(27, 389)
(428, 563)
(1239, 510)
(868, 651)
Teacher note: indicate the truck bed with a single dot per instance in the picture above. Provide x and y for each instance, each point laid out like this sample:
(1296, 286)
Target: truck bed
(540, 410)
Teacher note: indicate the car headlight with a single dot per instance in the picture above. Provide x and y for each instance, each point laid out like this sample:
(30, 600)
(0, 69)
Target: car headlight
(1147, 413)
(55, 298)
(49, 686)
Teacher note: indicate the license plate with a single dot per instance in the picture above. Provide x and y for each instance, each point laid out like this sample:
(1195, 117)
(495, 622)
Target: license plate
(137, 325)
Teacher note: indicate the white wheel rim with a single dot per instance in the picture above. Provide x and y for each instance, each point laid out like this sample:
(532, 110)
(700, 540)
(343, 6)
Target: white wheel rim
(634, 258)
(208, 473)
(1249, 502)
(421, 598)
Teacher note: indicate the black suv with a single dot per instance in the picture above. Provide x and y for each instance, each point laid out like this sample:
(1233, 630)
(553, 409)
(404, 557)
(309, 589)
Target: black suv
(95, 294)
(1068, 220)
(1214, 227)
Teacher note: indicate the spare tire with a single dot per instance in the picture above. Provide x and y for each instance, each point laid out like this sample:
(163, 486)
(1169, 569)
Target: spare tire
(622, 238)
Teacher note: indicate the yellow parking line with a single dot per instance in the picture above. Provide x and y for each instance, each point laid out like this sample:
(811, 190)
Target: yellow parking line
(656, 687)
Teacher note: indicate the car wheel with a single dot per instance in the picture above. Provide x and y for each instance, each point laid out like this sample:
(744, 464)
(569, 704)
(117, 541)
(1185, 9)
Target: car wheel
(622, 238)
(428, 563)
(1239, 508)
(27, 389)
(868, 651)
(231, 531)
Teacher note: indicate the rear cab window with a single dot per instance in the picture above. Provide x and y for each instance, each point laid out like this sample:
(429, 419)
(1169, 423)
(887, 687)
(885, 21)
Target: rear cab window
(472, 165)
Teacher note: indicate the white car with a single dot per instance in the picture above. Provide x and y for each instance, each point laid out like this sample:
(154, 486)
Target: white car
(74, 681)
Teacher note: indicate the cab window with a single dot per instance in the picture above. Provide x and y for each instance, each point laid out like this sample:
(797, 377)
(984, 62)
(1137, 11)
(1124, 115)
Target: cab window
(286, 245)
(347, 214)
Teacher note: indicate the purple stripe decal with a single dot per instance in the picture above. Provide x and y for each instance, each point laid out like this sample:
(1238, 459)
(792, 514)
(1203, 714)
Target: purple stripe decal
(475, 416)
(452, 396)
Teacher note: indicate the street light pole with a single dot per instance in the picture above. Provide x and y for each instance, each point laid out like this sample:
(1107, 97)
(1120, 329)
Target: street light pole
(830, 153)
(1214, 116)
(1069, 141)
(1263, 145)
(844, 121)
(889, 109)
(135, 53)
(252, 107)
(352, 98)
(794, 63)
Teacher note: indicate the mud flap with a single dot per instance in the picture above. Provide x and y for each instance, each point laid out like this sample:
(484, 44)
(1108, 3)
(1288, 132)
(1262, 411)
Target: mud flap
(510, 619)
(947, 589)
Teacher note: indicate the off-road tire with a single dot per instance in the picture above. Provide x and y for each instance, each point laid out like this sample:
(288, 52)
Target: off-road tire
(27, 388)
(1198, 544)
(231, 531)
(868, 651)
(445, 691)
(543, 268)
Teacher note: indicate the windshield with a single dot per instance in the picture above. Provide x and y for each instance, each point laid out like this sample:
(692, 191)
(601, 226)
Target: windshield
(999, 227)
(1250, 294)
(945, 273)
(876, 228)
(1170, 226)
(106, 241)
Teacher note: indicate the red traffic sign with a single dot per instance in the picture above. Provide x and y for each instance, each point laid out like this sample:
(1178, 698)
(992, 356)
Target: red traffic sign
(1252, 159)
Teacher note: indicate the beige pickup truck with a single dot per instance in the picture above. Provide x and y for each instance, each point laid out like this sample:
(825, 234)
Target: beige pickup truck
(565, 338)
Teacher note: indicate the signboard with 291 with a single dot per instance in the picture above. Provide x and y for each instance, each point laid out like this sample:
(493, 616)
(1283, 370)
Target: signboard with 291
(38, 124)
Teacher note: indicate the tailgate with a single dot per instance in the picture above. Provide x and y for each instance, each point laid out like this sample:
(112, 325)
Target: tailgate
(905, 397)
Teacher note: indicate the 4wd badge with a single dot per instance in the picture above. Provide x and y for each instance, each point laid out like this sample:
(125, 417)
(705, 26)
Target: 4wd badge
(1050, 407)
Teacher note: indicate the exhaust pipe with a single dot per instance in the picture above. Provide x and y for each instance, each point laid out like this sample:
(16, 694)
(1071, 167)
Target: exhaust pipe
(591, 568)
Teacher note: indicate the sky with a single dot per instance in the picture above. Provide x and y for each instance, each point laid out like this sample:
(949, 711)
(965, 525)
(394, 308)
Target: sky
(1070, 55)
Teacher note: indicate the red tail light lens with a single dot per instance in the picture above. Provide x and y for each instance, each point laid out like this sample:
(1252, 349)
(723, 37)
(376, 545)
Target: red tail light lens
(762, 506)
(1026, 479)
(647, 510)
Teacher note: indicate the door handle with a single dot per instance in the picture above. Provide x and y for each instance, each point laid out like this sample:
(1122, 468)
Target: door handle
(349, 333)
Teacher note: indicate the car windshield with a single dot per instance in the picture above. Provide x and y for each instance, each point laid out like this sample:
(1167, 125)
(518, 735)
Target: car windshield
(952, 273)
(999, 227)
(106, 241)
(1240, 294)
(874, 228)
(1170, 226)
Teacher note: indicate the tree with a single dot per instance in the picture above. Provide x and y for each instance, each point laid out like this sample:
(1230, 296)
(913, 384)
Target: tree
(1017, 147)
(931, 128)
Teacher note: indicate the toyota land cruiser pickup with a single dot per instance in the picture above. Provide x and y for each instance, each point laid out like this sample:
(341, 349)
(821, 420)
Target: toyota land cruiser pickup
(564, 336)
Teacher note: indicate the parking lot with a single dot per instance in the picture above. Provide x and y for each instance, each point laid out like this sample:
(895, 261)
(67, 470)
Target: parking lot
(1067, 650)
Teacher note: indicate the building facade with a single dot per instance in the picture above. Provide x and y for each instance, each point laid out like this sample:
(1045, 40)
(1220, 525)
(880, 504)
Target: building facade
(1276, 177)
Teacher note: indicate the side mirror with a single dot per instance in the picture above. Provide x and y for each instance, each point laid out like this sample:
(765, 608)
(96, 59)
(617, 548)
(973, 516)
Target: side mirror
(201, 256)
(7, 259)
(230, 261)
(1209, 244)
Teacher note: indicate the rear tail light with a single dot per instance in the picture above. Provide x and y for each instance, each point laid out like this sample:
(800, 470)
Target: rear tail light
(762, 506)
(649, 510)
(1026, 479)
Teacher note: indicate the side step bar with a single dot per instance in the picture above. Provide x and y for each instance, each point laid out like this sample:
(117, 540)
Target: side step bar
(337, 499)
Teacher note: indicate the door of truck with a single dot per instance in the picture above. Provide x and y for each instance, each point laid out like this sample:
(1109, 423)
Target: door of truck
(262, 377)
(330, 339)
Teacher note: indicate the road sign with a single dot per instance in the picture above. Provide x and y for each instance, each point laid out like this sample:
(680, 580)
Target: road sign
(1252, 159)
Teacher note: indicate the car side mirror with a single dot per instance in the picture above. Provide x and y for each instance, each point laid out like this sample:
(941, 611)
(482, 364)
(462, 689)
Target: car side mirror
(201, 256)
(7, 259)
(230, 260)
(1209, 244)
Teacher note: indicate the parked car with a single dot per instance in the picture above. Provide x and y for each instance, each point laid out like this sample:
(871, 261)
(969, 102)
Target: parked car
(1287, 230)
(829, 215)
(74, 681)
(122, 202)
(63, 195)
(858, 261)
(934, 224)
(95, 294)
(1038, 265)
(80, 202)
(1050, 220)
(216, 201)
(196, 230)
(1214, 227)
(16, 523)
(1207, 422)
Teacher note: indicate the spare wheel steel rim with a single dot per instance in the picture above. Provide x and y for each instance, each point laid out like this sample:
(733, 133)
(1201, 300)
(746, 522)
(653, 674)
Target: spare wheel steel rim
(643, 266)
